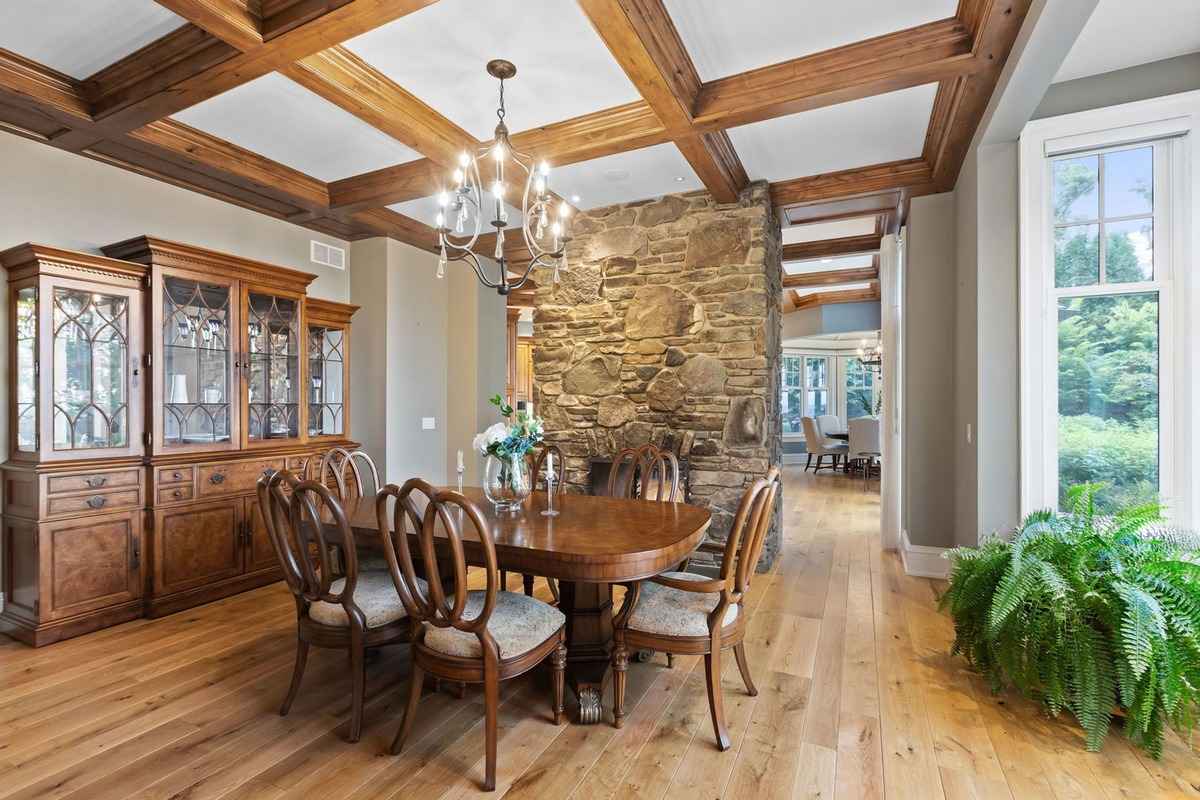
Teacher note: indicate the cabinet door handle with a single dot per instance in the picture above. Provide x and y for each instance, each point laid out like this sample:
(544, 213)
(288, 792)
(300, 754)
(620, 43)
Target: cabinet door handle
(97, 502)
(136, 556)
(217, 478)
(96, 481)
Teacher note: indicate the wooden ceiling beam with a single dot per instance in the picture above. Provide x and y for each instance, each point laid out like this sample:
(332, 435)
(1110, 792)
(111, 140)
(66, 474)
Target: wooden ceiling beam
(833, 298)
(927, 53)
(235, 22)
(595, 135)
(961, 103)
(832, 248)
(914, 172)
(834, 277)
(345, 80)
(148, 100)
(644, 41)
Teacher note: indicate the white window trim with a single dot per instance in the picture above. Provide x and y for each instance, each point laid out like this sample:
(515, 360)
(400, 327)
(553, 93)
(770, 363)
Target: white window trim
(1176, 116)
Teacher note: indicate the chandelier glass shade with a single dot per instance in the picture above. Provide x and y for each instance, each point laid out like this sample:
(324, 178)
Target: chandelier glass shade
(870, 356)
(477, 200)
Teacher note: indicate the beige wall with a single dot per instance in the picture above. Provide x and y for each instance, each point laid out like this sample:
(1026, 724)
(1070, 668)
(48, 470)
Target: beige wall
(929, 322)
(427, 347)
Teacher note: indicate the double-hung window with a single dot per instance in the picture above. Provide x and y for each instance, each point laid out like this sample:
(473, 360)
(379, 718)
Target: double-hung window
(1105, 215)
(806, 389)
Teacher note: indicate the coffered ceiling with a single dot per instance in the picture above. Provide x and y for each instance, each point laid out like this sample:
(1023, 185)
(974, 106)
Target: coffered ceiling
(345, 115)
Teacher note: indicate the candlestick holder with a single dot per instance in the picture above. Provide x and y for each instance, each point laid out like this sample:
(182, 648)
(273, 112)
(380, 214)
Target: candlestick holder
(550, 510)
(460, 471)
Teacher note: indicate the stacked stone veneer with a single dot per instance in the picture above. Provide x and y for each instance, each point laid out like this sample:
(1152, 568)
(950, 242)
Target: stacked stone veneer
(679, 343)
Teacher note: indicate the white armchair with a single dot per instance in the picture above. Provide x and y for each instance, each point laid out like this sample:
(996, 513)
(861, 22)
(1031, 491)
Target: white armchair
(829, 423)
(817, 445)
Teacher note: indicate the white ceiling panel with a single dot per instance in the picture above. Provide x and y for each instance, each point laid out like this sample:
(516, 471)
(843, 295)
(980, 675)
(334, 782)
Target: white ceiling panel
(837, 229)
(624, 177)
(439, 54)
(1125, 33)
(827, 264)
(279, 119)
(724, 37)
(81, 38)
(841, 287)
(886, 127)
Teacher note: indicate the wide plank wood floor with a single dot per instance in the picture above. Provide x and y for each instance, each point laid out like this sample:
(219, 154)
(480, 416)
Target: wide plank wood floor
(858, 698)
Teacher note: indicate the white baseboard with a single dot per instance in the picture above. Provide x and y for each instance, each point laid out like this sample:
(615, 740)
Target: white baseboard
(923, 562)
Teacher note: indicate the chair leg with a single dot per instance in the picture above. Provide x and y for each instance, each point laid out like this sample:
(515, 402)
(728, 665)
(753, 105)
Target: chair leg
(716, 703)
(358, 674)
(558, 662)
(410, 711)
(670, 661)
(553, 584)
(297, 675)
(620, 663)
(491, 710)
(504, 580)
(527, 580)
(808, 463)
(739, 651)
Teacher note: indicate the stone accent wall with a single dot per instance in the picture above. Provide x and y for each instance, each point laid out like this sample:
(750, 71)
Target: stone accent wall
(679, 343)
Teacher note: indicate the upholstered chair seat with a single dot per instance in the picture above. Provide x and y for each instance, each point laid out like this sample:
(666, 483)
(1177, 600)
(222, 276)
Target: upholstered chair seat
(374, 594)
(673, 612)
(518, 624)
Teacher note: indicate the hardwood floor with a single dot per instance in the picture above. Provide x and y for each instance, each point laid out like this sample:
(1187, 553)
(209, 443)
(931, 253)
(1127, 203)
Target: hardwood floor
(857, 698)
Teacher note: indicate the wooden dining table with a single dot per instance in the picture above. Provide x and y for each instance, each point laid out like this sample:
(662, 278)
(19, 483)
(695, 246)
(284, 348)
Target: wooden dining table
(594, 542)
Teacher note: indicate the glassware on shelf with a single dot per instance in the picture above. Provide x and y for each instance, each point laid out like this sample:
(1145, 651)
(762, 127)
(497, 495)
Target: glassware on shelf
(196, 349)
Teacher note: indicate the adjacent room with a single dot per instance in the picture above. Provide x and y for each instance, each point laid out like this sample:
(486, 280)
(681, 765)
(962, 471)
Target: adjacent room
(599, 399)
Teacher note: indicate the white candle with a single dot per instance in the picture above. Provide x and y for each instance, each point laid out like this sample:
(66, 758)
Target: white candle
(549, 466)
(460, 461)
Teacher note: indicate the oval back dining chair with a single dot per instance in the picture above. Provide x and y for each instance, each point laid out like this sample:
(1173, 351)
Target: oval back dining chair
(338, 461)
(540, 462)
(353, 611)
(645, 473)
(818, 445)
(482, 636)
(688, 613)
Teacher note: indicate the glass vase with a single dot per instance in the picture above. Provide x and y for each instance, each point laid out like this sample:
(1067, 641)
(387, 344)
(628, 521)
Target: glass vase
(506, 482)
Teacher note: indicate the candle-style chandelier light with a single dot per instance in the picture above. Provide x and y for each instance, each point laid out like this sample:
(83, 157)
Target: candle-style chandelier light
(870, 356)
(545, 219)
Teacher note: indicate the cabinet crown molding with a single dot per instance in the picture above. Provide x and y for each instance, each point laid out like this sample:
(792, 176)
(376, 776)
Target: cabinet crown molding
(155, 251)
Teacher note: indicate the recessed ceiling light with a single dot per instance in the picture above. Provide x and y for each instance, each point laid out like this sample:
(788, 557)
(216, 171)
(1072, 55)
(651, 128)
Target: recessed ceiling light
(574, 198)
(679, 179)
(826, 260)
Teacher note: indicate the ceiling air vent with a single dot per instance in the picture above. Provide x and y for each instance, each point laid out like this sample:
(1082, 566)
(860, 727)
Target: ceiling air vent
(328, 255)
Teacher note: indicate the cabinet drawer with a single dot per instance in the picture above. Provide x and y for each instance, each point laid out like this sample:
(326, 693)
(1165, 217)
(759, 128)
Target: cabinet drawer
(174, 494)
(92, 481)
(175, 474)
(100, 501)
(299, 464)
(238, 477)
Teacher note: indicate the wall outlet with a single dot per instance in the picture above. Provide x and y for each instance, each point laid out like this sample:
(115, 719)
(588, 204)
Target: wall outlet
(428, 423)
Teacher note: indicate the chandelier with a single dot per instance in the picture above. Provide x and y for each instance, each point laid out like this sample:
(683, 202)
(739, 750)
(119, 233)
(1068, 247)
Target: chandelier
(870, 357)
(464, 209)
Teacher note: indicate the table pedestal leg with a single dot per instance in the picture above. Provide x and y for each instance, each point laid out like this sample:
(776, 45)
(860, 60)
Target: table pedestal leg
(588, 607)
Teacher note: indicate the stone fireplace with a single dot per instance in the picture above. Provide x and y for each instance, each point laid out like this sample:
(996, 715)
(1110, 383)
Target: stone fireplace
(665, 328)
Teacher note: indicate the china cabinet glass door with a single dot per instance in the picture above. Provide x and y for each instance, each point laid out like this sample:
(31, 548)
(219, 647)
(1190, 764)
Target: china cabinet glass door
(25, 341)
(197, 354)
(326, 380)
(272, 333)
(91, 369)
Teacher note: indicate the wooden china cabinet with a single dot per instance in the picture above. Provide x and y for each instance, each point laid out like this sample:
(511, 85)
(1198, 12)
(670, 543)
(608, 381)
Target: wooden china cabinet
(149, 391)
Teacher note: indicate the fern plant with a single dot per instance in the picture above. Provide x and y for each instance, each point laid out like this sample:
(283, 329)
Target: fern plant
(1088, 614)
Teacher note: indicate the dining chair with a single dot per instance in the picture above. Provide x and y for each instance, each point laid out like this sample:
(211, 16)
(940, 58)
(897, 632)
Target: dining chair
(817, 445)
(864, 444)
(481, 636)
(829, 423)
(686, 613)
(338, 461)
(353, 612)
(645, 473)
(539, 463)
